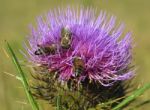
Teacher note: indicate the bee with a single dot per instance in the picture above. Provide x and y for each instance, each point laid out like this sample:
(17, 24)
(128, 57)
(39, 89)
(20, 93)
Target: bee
(46, 50)
(78, 66)
(65, 38)
(72, 84)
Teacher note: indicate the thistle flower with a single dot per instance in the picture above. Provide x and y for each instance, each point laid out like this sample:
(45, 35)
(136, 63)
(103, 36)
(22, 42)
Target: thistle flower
(95, 40)
(76, 45)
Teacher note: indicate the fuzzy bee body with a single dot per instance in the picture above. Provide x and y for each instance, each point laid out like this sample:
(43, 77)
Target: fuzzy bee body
(78, 66)
(45, 50)
(65, 38)
(72, 84)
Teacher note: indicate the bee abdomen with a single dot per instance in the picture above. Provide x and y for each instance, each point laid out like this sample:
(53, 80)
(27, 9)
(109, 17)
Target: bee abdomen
(78, 71)
(78, 66)
(65, 43)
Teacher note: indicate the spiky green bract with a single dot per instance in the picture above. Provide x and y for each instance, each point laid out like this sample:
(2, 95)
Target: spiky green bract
(23, 79)
(71, 97)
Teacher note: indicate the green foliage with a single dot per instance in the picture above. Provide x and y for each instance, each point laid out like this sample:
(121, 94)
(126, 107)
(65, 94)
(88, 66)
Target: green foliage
(23, 79)
(132, 97)
(59, 107)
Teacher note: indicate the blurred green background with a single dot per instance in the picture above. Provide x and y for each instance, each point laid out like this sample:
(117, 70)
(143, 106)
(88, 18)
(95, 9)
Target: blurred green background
(16, 15)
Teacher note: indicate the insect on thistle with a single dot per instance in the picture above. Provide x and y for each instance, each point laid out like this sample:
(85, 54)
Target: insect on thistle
(78, 69)
(46, 50)
(78, 66)
(65, 38)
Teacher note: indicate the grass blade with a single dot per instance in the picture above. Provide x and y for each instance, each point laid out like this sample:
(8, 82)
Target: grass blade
(134, 95)
(23, 79)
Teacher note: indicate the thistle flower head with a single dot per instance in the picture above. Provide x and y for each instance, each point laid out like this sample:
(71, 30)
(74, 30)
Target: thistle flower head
(78, 44)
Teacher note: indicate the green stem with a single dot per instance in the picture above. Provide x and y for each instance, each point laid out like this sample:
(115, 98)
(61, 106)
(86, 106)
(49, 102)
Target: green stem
(59, 106)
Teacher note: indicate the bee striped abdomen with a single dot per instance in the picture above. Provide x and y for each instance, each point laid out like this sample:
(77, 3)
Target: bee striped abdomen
(78, 66)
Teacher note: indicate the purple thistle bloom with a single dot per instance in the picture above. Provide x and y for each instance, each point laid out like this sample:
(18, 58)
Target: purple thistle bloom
(95, 41)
